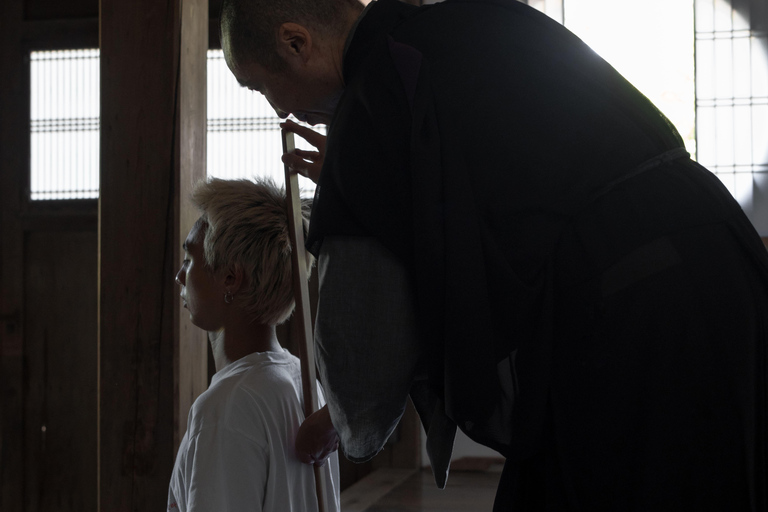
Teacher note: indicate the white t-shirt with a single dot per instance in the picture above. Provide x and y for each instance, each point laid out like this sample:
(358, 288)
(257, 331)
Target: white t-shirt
(238, 451)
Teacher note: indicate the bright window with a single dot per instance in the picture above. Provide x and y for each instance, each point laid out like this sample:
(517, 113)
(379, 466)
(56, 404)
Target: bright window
(64, 124)
(243, 130)
(702, 62)
(659, 61)
(732, 99)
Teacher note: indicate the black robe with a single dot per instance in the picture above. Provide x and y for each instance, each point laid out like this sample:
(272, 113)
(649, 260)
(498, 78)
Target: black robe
(595, 304)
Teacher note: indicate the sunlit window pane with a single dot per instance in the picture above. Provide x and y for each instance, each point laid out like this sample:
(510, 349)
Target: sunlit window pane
(759, 68)
(64, 124)
(705, 15)
(742, 67)
(723, 16)
(760, 134)
(243, 130)
(723, 129)
(650, 42)
(723, 114)
(732, 105)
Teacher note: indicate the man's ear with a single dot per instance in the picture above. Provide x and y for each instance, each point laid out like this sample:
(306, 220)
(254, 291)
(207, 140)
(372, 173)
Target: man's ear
(233, 280)
(294, 40)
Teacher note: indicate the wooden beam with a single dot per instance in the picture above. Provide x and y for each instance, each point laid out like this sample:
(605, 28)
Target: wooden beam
(153, 362)
(62, 34)
(192, 361)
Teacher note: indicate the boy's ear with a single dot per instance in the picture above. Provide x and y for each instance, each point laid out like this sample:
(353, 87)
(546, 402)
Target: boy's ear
(234, 279)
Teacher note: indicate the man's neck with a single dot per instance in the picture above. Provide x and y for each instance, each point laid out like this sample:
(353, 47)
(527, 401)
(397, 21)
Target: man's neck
(234, 342)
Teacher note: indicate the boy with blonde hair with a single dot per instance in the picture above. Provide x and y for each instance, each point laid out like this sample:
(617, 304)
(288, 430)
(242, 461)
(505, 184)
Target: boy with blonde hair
(236, 281)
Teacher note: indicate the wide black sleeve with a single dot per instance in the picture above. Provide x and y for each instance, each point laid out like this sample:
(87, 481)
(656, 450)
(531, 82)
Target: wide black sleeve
(367, 347)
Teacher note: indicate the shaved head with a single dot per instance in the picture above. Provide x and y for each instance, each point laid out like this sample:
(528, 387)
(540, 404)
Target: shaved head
(249, 27)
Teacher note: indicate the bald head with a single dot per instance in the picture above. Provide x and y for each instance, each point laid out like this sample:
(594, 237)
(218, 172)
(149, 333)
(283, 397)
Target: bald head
(249, 27)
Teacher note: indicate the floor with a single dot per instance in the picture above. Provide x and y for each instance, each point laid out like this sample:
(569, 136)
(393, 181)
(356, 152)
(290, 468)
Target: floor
(397, 490)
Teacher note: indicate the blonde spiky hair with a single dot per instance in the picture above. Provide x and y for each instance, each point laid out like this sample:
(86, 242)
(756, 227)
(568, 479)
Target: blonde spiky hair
(247, 227)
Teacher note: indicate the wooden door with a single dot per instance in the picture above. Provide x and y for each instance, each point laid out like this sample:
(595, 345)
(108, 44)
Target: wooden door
(48, 304)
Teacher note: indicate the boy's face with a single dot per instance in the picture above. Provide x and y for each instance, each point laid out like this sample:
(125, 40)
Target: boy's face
(201, 292)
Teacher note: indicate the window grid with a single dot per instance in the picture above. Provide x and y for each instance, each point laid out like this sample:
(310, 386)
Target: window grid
(64, 124)
(243, 130)
(731, 106)
(732, 97)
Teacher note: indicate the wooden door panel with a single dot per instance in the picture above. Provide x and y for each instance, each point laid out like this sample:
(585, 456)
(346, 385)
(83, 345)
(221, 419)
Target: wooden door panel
(60, 371)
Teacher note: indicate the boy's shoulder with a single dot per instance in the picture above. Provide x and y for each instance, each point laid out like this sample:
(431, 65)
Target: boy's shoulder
(247, 391)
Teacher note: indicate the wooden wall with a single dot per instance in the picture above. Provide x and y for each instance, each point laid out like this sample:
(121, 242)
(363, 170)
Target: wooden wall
(47, 305)
(60, 369)
(49, 293)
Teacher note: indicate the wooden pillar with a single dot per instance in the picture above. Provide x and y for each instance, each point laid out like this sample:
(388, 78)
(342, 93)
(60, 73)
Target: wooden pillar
(152, 361)
(14, 112)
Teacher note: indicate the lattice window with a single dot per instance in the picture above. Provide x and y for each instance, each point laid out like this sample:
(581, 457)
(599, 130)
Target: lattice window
(732, 99)
(64, 124)
(243, 130)
(722, 113)
(730, 103)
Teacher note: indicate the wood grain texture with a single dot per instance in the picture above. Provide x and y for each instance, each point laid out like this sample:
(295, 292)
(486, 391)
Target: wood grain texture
(14, 153)
(60, 371)
(62, 34)
(56, 9)
(151, 360)
(191, 370)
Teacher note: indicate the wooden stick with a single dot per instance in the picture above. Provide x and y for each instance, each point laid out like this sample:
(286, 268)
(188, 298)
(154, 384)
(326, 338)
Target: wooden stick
(302, 321)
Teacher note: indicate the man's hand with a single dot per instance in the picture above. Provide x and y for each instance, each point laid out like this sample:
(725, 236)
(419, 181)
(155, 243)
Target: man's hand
(317, 439)
(306, 163)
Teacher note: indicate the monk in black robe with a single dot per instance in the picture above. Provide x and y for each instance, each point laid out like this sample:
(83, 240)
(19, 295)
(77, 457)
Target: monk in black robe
(512, 234)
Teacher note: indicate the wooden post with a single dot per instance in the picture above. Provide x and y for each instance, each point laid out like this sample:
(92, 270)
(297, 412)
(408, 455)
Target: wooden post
(152, 362)
(14, 113)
